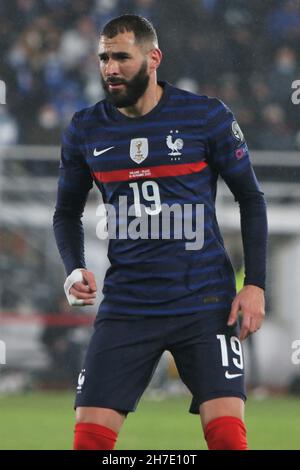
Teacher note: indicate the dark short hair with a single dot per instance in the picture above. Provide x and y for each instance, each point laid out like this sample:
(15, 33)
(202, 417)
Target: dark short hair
(142, 28)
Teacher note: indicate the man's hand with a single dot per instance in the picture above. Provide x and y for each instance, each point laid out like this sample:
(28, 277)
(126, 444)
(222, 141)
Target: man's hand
(80, 288)
(251, 302)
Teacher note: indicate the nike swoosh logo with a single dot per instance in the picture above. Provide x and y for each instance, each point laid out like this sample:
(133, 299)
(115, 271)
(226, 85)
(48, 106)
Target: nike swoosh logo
(96, 154)
(231, 376)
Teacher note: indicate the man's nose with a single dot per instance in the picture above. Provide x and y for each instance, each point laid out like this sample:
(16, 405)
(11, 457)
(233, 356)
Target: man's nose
(112, 67)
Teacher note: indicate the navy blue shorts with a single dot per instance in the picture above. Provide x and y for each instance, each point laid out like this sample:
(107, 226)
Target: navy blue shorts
(124, 352)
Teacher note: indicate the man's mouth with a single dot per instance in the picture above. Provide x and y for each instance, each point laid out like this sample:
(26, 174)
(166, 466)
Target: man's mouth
(115, 86)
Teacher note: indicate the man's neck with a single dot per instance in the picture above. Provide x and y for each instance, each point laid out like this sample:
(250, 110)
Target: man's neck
(146, 103)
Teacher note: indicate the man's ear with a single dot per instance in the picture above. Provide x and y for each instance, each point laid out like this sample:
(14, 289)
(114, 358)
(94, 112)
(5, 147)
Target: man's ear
(155, 58)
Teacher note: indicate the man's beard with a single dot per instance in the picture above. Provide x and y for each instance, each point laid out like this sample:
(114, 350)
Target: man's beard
(133, 89)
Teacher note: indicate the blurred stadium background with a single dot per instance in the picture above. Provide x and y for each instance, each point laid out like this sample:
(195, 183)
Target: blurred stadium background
(246, 53)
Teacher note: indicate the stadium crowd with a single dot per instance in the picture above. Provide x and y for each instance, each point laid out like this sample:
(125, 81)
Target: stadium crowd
(243, 52)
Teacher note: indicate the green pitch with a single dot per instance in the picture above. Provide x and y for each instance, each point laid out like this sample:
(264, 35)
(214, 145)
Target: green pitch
(45, 421)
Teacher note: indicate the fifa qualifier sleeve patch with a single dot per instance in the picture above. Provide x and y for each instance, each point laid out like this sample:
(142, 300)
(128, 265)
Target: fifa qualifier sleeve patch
(237, 132)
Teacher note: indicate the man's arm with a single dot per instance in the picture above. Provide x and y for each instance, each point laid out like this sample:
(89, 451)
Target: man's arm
(68, 229)
(228, 155)
(250, 300)
(74, 184)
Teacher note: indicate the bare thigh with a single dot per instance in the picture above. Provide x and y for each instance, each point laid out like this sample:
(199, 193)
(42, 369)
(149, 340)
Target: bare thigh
(226, 406)
(111, 419)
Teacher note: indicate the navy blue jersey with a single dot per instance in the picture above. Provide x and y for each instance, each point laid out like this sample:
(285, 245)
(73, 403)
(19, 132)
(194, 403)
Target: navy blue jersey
(172, 155)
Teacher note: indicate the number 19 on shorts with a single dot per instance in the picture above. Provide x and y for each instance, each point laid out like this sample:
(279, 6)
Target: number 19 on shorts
(235, 352)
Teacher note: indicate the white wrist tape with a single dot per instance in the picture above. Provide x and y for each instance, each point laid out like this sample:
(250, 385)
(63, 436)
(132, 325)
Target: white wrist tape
(75, 276)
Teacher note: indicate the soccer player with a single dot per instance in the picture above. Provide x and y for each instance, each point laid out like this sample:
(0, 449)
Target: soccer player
(149, 145)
